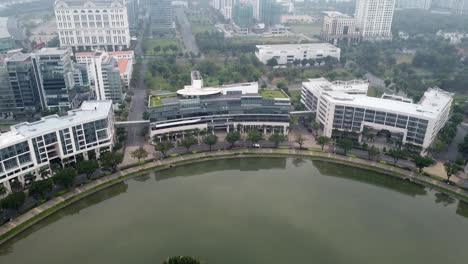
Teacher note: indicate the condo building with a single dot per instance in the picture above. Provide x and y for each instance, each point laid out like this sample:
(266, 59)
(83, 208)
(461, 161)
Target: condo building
(161, 18)
(242, 107)
(28, 150)
(374, 19)
(88, 25)
(288, 53)
(345, 106)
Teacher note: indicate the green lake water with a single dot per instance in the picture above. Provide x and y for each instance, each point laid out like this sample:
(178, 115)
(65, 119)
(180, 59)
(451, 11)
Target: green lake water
(255, 210)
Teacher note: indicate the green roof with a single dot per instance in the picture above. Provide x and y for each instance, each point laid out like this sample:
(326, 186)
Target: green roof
(155, 100)
(272, 93)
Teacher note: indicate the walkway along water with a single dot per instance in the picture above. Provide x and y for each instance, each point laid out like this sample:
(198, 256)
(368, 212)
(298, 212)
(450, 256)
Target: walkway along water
(14, 227)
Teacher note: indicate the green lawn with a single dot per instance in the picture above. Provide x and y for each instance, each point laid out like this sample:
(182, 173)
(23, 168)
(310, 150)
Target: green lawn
(196, 28)
(373, 92)
(149, 45)
(295, 95)
(272, 93)
(404, 58)
(155, 100)
(307, 29)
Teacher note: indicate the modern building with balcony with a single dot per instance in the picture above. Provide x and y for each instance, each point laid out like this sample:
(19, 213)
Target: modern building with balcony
(345, 106)
(29, 150)
(242, 107)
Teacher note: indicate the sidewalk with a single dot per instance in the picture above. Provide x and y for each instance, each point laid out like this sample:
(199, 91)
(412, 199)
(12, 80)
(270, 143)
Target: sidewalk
(78, 193)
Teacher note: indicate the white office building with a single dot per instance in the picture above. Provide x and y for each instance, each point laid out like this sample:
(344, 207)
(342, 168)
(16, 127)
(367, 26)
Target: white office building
(29, 149)
(345, 106)
(374, 19)
(89, 25)
(338, 28)
(288, 53)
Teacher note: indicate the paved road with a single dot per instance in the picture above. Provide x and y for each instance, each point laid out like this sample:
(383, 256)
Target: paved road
(139, 100)
(186, 31)
(451, 153)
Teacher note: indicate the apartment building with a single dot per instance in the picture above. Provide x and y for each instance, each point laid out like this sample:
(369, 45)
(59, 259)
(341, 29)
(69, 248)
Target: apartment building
(288, 53)
(105, 77)
(161, 18)
(28, 151)
(374, 19)
(88, 25)
(345, 106)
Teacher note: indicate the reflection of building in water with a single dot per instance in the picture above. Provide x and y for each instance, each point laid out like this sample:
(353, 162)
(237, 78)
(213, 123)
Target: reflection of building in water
(369, 177)
(242, 164)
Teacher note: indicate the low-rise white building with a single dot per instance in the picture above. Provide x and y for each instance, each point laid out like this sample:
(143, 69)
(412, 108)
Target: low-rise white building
(288, 53)
(346, 106)
(29, 149)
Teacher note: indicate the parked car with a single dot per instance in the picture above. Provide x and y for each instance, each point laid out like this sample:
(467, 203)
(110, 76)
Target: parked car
(256, 145)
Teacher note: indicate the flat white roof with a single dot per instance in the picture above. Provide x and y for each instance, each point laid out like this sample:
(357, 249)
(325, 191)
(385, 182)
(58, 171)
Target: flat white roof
(89, 111)
(297, 46)
(4, 28)
(52, 51)
(431, 104)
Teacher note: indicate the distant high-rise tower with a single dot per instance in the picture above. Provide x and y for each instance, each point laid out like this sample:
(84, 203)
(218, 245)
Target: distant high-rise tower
(374, 19)
(162, 18)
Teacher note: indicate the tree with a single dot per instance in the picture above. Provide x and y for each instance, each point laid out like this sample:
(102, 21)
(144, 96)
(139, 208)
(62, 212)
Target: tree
(373, 152)
(146, 115)
(315, 127)
(65, 177)
(16, 186)
(397, 154)
(139, 153)
(451, 169)
(188, 141)
(210, 140)
(164, 147)
(322, 141)
(87, 167)
(277, 138)
(254, 136)
(232, 137)
(41, 188)
(272, 62)
(3, 190)
(111, 159)
(422, 162)
(299, 139)
(345, 144)
(13, 201)
(181, 260)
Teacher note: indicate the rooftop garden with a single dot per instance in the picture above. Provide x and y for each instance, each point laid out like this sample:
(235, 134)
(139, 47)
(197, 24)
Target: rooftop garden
(272, 93)
(155, 100)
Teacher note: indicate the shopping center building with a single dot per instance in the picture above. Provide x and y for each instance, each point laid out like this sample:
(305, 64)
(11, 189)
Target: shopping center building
(345, 106)
(231, 107)
(29, 150)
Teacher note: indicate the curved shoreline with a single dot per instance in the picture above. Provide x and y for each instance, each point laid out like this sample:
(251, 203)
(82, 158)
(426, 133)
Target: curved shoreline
(23, 222)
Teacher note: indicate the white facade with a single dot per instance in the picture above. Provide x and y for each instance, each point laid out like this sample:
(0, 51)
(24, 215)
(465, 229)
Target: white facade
(86, 57)
(374, 19)
(104, 69)
(87, 25)
(27, 151)
(346, 106)
(196, 88)
(288, 53)
(338, 27)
